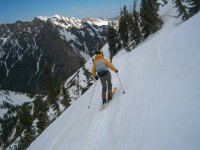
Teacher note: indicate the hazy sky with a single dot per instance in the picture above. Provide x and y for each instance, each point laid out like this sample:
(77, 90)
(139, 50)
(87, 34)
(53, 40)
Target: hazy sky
(26, 10)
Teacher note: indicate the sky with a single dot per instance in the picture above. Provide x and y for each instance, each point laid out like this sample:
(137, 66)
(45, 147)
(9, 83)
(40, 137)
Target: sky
(26, 10)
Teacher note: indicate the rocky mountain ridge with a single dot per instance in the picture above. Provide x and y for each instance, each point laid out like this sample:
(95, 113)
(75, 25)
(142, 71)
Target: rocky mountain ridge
(61, 42)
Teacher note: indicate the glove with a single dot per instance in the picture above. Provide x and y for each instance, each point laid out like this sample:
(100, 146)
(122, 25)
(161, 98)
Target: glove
(96, 78)
(116, 71)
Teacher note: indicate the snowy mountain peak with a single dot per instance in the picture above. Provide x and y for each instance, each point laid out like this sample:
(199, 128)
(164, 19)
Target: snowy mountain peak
(42, 18)
(54, 37)
(98, 22)
(73, 22)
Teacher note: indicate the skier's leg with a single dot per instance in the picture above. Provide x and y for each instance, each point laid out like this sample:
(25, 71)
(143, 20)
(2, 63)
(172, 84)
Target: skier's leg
(108, 78)
(104, 88)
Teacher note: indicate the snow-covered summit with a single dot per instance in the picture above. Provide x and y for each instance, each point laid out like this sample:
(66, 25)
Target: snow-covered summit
(35, 43)
(73, 22)
(98, 22)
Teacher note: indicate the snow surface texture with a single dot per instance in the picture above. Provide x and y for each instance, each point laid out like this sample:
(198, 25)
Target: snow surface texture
(160, 109)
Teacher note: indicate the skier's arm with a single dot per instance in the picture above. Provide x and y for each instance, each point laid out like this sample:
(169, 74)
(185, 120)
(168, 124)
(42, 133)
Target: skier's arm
(110, 65)
(93, 71)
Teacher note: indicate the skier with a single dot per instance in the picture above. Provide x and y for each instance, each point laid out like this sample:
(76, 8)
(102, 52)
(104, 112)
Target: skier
(100, 70)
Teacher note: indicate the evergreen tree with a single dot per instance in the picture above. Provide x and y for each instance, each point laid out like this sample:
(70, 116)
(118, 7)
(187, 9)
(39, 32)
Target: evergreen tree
(89, 79)
(112, 42)
(25, 139)
(43, 121)
(149, 17)
(50, 88)
(195, 6)
(136, 33)
(25, 117)
(49, 84)
(78, 84)
(7, 127)
(37, 102)
(66, 98)
(24, 125)
(8, 123)
(40, 111)
(134, 26)
(88, 76)
(181, 9)
(130, 27)
(99, 46)
(123, 27)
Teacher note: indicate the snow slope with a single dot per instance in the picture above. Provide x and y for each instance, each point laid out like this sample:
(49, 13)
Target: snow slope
(160, 109)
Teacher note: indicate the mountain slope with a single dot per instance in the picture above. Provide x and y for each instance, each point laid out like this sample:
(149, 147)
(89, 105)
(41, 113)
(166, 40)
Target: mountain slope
(160, 109)
(25, 47)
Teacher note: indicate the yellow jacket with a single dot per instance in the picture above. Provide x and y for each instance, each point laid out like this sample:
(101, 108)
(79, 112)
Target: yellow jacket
(108, 64)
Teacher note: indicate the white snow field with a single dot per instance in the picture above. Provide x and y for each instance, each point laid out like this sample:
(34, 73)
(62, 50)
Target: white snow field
(160, 109)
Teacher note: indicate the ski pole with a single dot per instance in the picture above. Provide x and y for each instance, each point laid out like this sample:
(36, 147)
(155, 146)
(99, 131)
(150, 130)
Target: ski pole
(92, 95)
(120, 83)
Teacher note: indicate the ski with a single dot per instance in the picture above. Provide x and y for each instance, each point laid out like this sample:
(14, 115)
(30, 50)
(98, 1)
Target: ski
(104, 106)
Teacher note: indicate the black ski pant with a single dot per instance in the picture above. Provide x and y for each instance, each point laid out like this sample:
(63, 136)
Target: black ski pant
(106, 86)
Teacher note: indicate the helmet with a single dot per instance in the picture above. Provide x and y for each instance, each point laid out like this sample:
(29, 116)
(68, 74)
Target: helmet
(98, 52)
